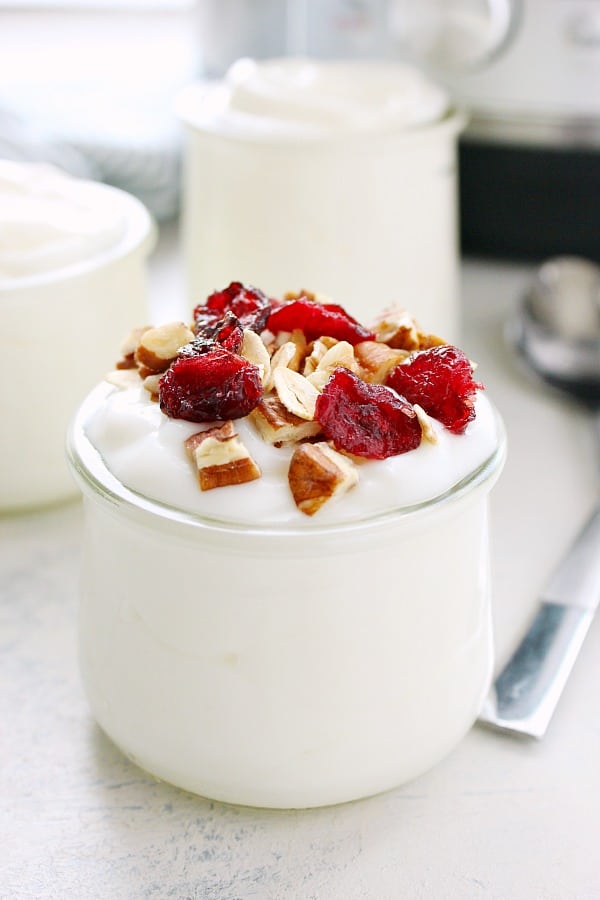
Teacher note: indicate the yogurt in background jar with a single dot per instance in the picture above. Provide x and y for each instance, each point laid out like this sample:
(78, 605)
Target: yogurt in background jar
(340, 174)
(72, 276)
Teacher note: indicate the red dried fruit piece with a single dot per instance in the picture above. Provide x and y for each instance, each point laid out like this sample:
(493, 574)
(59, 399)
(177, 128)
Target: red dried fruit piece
(318, 319)
(366, 419)
(206, 387)
(441, 381)
(249, 304)
(227, 332)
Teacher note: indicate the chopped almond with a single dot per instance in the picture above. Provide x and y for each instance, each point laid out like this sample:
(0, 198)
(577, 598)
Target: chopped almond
(277, 425)
(158, 346)
(377, 360)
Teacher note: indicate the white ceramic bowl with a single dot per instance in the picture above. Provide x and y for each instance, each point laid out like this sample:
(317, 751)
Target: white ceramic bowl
(58, 334)
(278, 667)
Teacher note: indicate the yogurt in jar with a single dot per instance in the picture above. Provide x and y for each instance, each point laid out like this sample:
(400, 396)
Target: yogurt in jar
(72, 273)
(338, 174)
(244, 650)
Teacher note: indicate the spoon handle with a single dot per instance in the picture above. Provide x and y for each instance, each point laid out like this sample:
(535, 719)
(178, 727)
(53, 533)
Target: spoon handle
(526, 692)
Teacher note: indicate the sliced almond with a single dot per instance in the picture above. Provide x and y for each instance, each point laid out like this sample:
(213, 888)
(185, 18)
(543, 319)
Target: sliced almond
(255, 352)
(396, 328)
(340, 355)
(296, 393)
(158, 346)
(317, 473)
(151, 383)
(426, 341)
(277, 425)
(377, 360)
(131, 342)
(317, 352)
(123, 378)
(220, 457)
(427, 427)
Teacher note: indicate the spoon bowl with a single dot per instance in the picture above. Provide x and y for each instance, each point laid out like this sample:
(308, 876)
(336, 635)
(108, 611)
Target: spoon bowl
(557, 327)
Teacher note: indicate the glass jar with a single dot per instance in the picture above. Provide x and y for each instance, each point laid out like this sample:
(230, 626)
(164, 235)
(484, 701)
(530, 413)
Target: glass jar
(283, 667)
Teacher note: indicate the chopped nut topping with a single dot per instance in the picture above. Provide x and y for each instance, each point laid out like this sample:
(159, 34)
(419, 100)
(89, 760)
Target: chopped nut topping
(428, 431)
(277, 425)
(220, 457)
(151, 383)
(318, 351)
(318, 473)
(255, 352)
(377, 360)
(158, 346)
(296, 393)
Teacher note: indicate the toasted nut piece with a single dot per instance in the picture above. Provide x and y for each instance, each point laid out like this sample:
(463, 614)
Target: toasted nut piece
(396, 328)
(130, 344)
(340, 355)
(283, 355)
(151, 383)
(308, 295)
(298, 339)
(295, 392)
(377, 360)
(128, 362)
(123, 378)
(220, 458)
(158, 346)
(427, 427)
(317, 352)
(283, 358)
(317, 473)
(426, 341)
(255, 352)
(277, 425)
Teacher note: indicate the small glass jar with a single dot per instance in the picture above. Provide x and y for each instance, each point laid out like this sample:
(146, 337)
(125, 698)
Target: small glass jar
(283, 667)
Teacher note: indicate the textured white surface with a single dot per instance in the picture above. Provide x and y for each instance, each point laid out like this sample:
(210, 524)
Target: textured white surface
(500, 819)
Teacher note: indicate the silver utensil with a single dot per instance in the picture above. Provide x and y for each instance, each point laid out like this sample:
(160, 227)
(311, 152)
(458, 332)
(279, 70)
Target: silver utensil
(557, 334)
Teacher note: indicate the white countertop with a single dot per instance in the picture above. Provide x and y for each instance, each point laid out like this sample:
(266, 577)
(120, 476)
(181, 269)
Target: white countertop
(501, 818)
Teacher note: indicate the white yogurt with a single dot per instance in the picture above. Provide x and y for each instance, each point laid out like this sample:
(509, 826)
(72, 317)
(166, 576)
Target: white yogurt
(72, 278)
(49, 220)
(276, 660)
(338, 174)
(144, 450)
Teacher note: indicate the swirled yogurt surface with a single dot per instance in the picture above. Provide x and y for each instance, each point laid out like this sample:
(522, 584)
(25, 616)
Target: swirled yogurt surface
(144, 450)
(50, 220)
(298, 98)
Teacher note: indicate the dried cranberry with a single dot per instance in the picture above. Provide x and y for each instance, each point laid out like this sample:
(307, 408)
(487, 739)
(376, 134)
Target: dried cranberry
(317, 319)
(209, 386)
(366, 419)
(249, 304)
(441, 381)
(227, 332)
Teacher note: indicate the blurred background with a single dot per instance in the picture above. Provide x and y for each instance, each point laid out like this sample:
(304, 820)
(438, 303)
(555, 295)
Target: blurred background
(90, 85)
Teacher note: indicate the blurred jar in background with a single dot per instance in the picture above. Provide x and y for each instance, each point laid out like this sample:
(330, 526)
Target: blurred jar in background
(334, 177)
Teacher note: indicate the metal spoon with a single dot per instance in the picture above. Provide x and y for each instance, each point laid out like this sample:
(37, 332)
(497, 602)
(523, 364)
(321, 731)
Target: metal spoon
(557, 333)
